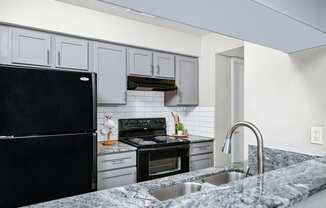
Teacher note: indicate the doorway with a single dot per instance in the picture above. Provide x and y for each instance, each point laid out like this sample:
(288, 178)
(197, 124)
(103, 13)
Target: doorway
(237, 107)
(229, 106)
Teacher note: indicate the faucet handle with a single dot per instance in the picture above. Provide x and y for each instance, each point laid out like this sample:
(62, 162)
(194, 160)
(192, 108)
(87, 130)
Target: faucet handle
(247, 171)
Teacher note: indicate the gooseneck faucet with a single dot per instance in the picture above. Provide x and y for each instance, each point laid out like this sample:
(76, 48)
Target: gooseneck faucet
(260, 144)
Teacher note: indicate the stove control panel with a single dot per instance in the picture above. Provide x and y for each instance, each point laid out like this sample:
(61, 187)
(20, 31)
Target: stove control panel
(141, 124)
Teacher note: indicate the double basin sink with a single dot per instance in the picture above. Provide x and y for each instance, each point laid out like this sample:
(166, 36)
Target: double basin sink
(191, 187)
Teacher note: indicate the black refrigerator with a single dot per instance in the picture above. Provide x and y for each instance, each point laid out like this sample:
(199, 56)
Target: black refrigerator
(47, 134)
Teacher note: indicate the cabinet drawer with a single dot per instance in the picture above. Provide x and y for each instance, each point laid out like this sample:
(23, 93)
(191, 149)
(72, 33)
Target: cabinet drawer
(201, 161)
(200, 148)
(114, 161)
(114, 178)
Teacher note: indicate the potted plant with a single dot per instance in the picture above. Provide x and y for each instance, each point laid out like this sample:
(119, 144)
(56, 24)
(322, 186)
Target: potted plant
(179, 128)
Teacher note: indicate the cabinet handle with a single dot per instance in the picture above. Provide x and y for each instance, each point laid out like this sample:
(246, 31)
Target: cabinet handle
(152, 69)
(202, 147)
(201, 159)
(117, 176)
(59, 58)
(48, 56)
(158, 69)
(116, 161)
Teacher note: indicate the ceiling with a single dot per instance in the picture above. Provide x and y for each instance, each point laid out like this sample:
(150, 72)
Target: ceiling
(312, 12)
(287, 25)
(260, 21)
(124, 12)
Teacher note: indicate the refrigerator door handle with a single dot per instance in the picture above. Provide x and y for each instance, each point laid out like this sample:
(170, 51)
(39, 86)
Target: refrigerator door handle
(7, 137)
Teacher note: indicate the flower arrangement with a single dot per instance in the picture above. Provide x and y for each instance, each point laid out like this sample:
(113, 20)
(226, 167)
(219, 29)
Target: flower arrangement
(179, 127)
(109, 126)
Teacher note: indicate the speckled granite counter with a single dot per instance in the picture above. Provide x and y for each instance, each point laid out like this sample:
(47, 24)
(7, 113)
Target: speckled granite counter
(276, 158)
(116, 148)
(196, 139)
(278, 188)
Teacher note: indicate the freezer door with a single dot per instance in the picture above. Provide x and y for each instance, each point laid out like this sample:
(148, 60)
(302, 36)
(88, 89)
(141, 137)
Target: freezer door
(38, 169)
(34, 101)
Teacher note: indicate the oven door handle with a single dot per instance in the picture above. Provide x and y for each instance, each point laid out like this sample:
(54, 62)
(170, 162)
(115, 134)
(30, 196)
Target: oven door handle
(187, 146)
(165, 172)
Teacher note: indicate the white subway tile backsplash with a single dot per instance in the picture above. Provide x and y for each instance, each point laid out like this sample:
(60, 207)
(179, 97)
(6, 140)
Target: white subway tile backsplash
(140, 104)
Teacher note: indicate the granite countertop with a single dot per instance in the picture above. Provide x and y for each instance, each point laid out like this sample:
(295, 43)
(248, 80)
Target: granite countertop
(196, 139)
(278, 188)
(116, 148)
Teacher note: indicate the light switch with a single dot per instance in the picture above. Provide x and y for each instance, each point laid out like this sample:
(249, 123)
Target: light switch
(316, 135)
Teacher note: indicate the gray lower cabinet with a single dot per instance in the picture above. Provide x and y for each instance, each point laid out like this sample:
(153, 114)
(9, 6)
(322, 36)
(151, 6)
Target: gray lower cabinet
(71, 53)
(164, 66)
(140, 62)
(201, 155)
(201, 148)
(115, 178)
(187, 82)
(110, 63)
(116, 169)
(30, 47)
(4, 45)
(198, 162)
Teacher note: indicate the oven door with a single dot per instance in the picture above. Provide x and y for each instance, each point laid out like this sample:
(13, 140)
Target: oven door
(162, 161)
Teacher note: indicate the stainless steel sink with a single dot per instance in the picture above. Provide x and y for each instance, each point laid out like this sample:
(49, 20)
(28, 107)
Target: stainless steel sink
(223, 178)
(176, 190)
(191, 187)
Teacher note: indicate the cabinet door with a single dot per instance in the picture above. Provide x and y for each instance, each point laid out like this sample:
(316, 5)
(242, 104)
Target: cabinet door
(164, 66)
(4, 45)
(140, 62)
(111, 66)
(71, 53)
(187, 80)
(30, 47)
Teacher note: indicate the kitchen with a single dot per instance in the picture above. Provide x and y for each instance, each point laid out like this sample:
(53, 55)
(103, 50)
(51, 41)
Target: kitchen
(152, 56)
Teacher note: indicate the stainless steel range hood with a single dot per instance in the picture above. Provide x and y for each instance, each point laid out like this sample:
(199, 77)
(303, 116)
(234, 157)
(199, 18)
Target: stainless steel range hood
(150, 84)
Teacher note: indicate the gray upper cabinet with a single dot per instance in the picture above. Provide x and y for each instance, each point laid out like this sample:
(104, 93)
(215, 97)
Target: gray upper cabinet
(187, 83)
(110, 65)
(140, 62)
(187, 80)
(164, 65)
(30, 47)
(71, 53)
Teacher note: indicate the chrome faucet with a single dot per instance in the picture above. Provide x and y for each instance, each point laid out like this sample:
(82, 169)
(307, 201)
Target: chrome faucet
(260, 144)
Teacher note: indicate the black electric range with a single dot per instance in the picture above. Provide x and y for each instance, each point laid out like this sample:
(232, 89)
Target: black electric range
(158, 155)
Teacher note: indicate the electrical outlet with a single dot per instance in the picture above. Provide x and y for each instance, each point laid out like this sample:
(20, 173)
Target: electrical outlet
(316, 135)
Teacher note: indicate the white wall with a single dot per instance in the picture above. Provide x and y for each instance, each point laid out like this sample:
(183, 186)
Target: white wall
(285, 95)
(211, 45)
(66, 18)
